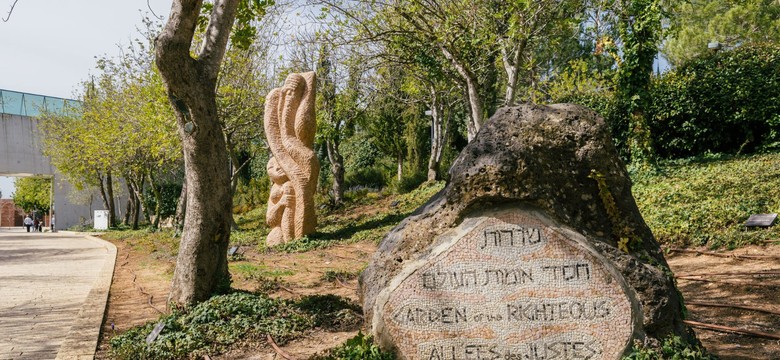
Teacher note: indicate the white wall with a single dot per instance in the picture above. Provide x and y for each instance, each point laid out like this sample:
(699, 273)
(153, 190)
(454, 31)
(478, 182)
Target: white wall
(21, 155)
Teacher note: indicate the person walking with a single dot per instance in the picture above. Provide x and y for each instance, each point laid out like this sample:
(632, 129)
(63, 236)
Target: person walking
(28, 222)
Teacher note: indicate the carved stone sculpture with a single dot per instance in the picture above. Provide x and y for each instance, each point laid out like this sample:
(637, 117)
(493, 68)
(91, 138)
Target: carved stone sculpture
(290, 126)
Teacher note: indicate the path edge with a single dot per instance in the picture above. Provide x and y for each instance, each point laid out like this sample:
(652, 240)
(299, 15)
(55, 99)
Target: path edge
(82, 339)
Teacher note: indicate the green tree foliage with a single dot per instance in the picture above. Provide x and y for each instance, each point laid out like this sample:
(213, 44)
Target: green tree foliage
(731, 23)
(339, 73)
(385, 122)
(639, 27)
(124, 128)
(33, 193)
(707, 104)
(531, 34)
(241, 107)
(727, 101)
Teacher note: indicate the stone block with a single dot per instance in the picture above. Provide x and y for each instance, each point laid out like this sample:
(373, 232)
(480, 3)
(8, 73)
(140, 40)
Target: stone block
(535, 249)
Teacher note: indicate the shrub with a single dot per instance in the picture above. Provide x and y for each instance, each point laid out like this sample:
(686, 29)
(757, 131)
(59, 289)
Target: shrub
(706, 200)
(724, 102)
(728, 101)
(214, 325)
(371, 177)
(250, 195)
(409, 182)
(169, 196)
(672, 348)
(360, 347)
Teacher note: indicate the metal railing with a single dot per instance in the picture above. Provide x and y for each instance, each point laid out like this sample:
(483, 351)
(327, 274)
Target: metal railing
(32, 105)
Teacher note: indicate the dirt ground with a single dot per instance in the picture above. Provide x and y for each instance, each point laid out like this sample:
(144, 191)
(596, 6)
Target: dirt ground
(141, 284)
(749, 277)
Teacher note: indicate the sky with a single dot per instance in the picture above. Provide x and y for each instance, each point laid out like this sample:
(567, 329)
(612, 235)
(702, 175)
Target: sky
(48, 47)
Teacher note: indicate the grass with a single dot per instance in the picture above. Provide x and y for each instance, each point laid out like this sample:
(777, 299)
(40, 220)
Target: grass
(147, 241)
(214, 326)
(335, 227)
(339, 275)
(360, 347)
(706, 200)
(252, 271)
(691, 202)
(672, 348)
(340, 227)
(211, 327)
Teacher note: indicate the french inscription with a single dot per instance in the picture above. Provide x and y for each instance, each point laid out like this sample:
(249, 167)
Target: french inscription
(575, 347)
(552, 310)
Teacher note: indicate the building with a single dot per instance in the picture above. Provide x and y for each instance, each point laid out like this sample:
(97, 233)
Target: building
(21, 153)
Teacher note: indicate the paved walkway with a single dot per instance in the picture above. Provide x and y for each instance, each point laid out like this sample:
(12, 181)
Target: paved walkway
(53, 291)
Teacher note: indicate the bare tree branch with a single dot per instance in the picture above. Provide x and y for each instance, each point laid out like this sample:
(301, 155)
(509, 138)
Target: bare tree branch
(148, 5)
(10, 11)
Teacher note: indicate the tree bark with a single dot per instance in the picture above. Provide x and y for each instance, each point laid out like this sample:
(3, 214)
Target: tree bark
(511, 59)
(136, 210)
(328, 96)
(103, 196)
(201, 265)
(477, 111)
(337, 170)
(111, 204)
(399, 159)
(157, 202)
(128, 208)
(438, 135)
(142, 204)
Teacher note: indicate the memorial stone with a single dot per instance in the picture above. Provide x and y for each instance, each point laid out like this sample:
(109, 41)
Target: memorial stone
(520, 255)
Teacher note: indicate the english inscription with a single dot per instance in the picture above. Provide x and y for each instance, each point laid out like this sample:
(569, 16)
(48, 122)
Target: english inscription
(510, 288)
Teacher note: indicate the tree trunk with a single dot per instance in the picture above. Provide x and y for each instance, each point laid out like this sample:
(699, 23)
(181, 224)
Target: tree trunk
(201, 265)
(337, 170)
(104, 197)
(512, 69)
(400, 166)
(476, 106)
(111, 204)
(511, 56)
(234, 169)
(136, 211)
(157, 202)
(143, 205)
(438, 136)
(128, 208)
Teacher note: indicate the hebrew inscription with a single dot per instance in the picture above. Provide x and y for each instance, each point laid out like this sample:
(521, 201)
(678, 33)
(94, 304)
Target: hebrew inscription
(509, 287)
